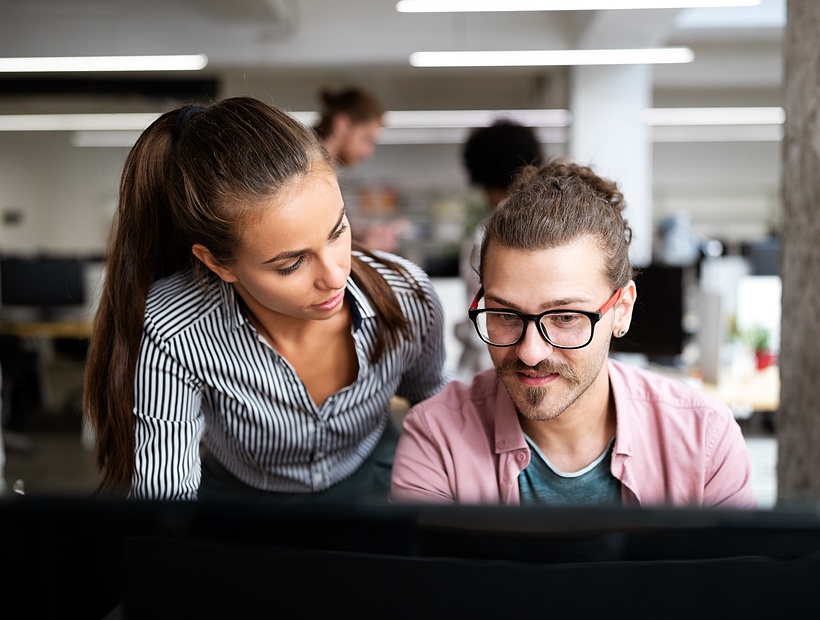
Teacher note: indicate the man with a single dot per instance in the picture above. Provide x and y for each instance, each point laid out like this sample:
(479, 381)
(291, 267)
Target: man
(350, 124)
(492, 156)
(557, 421)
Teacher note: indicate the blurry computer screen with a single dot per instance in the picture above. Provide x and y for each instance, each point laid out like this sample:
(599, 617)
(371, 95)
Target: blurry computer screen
(657, 320)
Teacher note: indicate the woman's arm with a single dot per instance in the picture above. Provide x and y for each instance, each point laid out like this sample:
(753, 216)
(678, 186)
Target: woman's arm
(168, 425)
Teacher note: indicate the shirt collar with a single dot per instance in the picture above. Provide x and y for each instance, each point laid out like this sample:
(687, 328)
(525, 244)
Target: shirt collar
(508, 433)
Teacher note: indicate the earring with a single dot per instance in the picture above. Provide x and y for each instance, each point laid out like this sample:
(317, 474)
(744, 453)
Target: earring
(621, 333)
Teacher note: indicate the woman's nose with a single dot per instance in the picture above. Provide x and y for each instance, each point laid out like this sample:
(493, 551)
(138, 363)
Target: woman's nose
(333, 275)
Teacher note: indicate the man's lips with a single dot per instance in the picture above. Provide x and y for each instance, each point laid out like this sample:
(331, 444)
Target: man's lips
(539, 379)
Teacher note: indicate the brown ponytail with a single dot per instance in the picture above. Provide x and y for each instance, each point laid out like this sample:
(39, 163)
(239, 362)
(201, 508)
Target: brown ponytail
(142, 248)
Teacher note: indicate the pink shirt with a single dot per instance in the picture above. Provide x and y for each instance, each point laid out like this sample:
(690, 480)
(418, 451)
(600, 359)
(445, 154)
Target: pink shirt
(675, 445)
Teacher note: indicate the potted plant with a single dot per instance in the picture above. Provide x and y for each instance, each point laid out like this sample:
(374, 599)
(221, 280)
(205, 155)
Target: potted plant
(759, 337)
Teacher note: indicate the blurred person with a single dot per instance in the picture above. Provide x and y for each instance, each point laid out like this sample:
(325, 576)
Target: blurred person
(242, 345)
(492, 156)
(556, 422)
(350, 124)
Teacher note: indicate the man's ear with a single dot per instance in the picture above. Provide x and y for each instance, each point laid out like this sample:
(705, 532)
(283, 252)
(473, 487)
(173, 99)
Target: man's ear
(624, 308)
(204, 255)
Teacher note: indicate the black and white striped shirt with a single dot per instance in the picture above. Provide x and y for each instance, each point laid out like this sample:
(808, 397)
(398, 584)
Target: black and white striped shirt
(205, 374)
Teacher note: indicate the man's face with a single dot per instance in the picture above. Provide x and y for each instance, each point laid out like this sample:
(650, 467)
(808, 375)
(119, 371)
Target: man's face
(544, 381)
(358, 141)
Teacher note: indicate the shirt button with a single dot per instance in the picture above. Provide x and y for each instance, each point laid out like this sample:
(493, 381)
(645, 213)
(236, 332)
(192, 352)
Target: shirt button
(501, 445)
(521, 456)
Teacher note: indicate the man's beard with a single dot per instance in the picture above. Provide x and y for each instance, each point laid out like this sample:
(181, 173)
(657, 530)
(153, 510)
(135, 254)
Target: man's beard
(533, 398)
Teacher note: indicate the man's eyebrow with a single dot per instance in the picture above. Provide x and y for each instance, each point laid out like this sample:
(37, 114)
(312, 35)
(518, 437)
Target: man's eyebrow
(291, 254)
(555, 303)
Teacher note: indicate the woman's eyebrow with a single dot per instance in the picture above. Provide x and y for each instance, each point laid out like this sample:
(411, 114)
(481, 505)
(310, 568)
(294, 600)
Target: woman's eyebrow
(338, 223)
(291, 254)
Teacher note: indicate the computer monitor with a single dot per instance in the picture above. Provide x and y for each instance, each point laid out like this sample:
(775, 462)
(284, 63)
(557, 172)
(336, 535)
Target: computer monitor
(657, 319)
(44, 285)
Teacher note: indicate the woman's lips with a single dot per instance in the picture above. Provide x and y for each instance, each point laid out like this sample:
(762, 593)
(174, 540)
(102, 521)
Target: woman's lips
(330, 303)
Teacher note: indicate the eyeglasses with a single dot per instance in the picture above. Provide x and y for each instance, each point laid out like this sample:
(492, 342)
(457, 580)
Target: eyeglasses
(563, 329)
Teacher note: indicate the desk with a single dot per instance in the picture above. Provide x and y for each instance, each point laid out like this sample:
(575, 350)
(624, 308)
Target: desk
(59, 377)
(745, 393)
(756, 391)
(47, 329)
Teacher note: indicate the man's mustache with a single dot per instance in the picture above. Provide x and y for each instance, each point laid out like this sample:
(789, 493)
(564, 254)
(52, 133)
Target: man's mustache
(543, 367)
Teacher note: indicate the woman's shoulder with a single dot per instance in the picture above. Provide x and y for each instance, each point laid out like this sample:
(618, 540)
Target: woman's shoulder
(179, 300)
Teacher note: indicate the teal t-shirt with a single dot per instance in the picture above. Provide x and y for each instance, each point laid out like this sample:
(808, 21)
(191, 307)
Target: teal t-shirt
(542, 483)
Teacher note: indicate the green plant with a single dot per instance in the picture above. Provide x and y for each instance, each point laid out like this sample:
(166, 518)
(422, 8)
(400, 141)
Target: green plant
(759, 338)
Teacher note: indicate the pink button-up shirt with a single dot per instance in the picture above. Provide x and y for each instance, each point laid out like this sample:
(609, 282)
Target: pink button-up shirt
(675, 445)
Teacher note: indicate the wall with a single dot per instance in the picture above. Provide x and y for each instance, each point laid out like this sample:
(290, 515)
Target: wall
(65, 196)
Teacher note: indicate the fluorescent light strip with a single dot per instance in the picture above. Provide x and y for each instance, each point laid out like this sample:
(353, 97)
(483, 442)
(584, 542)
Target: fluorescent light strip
(76, 122)
(479, 6)
(716, 133)
(475, 118)
(456, 135)
(446, 126)
(190, 62)
(714, 116)
(542, 58)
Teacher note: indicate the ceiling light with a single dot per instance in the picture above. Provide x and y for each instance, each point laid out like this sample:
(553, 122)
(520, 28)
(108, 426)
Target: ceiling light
(477, 6)
(541, 58)
(76, 122)
(716, 133)
(475, 118)
(446, 126)
(714, 116)
(190, 62)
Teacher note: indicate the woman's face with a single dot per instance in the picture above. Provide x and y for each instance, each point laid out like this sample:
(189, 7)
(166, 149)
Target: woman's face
(295, 259)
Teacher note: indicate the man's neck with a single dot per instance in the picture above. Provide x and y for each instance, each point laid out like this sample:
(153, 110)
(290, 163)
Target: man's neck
(578, 436)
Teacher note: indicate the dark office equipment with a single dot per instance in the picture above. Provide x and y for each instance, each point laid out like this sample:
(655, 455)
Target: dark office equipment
(42, 284)
(657, 320)
(85, 557)
(764, 256)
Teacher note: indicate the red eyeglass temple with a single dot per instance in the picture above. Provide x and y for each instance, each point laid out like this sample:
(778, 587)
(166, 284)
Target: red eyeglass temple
(611, 301)
(478, 296)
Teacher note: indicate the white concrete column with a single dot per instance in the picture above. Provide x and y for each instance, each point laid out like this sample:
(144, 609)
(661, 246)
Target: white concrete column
(607, 133)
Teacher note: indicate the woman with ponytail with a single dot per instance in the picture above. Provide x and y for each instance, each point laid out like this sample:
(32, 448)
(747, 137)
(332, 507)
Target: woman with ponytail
(242, 344)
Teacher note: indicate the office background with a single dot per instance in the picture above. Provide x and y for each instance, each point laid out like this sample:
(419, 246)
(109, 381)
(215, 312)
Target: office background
(722, 169)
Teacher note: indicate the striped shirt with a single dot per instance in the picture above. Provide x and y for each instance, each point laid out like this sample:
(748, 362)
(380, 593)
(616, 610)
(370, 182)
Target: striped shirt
(204, 374)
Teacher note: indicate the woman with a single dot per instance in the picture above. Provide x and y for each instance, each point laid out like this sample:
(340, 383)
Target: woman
(236, 320)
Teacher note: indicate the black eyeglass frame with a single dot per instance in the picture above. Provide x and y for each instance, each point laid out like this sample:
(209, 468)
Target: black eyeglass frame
(594, 317)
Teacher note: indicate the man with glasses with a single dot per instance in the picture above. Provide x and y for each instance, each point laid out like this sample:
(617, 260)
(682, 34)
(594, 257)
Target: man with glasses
(557, 422)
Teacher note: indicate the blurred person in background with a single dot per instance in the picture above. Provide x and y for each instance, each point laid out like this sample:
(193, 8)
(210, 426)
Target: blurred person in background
(492, 156)
(350, 124)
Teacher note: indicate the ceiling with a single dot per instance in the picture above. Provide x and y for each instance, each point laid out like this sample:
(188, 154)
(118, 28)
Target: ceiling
(286, 48)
